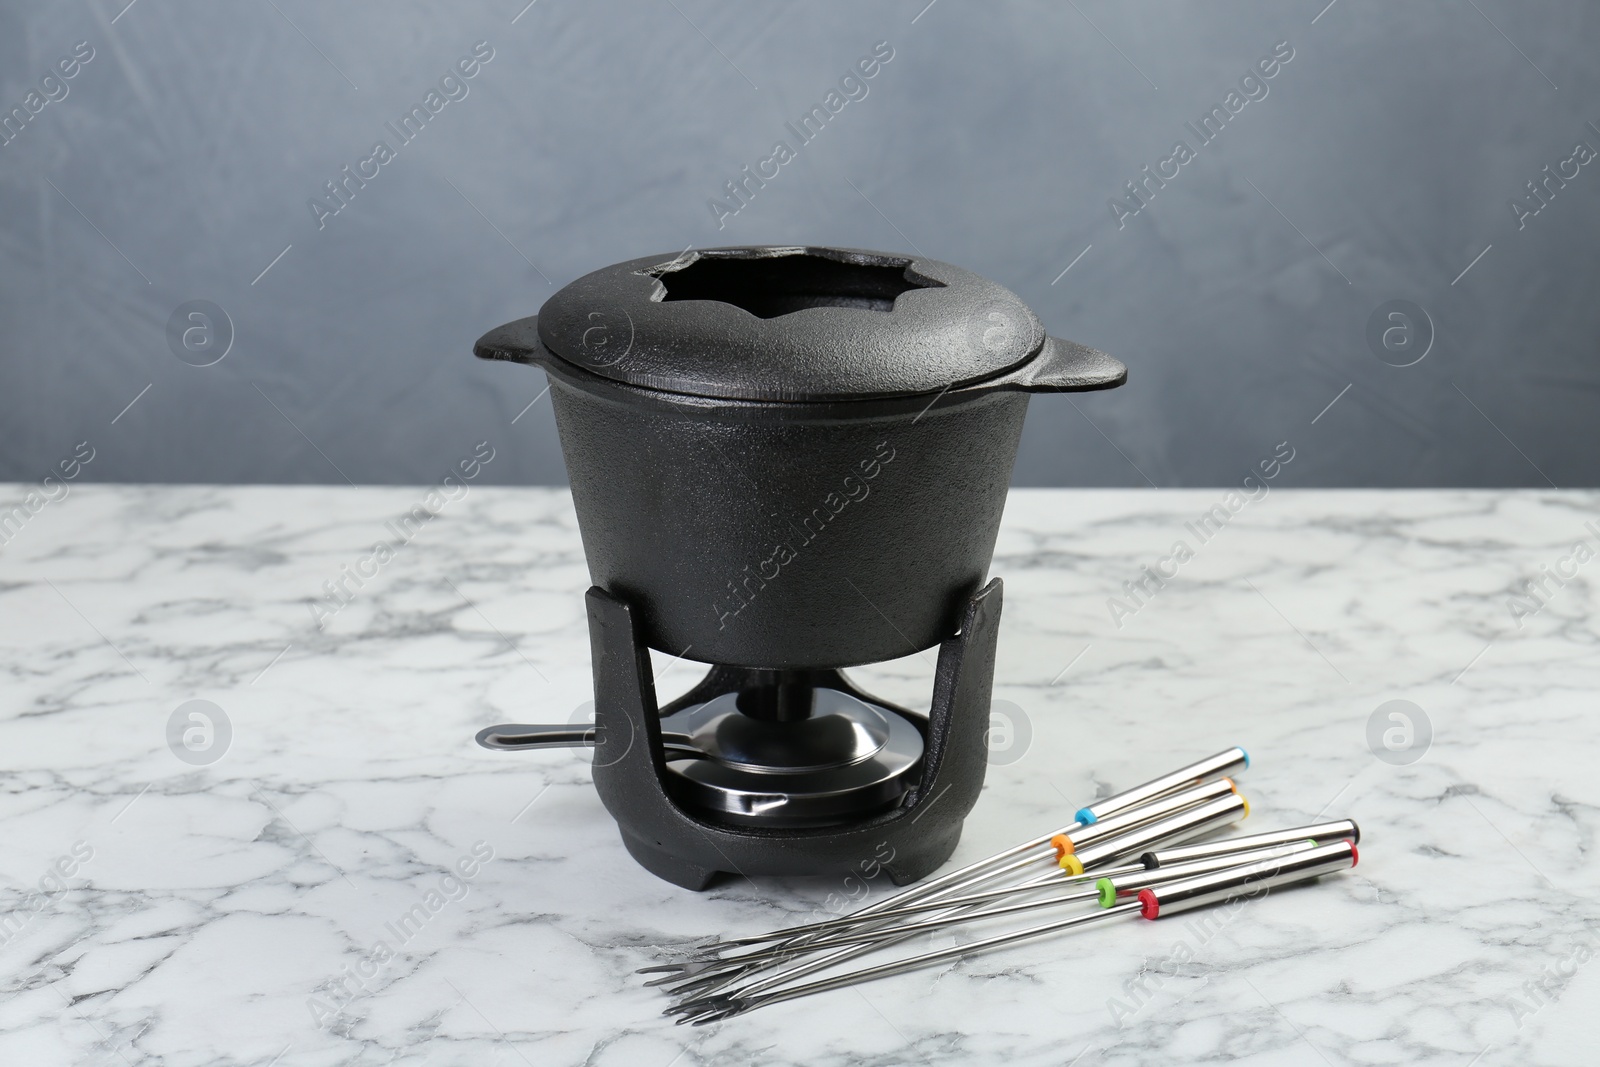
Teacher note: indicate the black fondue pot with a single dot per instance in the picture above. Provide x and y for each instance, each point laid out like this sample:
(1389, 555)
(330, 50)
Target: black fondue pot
(791, 457)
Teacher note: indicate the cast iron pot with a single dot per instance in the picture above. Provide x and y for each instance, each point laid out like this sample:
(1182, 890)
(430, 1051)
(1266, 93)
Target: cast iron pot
(791, 457)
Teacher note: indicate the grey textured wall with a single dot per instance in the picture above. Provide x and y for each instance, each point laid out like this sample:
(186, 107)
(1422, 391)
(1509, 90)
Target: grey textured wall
(177, 164)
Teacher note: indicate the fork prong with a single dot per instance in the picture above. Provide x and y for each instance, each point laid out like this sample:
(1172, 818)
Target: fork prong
(710, 1009)
(689, 1006)
(666, 979)
(690, 1003)
(703, 984)
(692, 1017)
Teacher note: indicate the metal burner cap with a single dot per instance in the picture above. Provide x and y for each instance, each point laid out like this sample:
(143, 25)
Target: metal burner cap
(847, 759)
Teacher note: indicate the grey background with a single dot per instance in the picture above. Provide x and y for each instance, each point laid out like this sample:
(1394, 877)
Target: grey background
(1382, 161)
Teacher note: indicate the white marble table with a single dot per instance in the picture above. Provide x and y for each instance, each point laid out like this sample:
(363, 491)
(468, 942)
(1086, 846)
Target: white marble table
(203, 914)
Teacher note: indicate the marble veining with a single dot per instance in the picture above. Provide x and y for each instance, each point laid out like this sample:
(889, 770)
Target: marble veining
(354, 882)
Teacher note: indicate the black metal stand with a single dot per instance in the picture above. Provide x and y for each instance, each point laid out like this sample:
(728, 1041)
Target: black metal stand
(908, 843)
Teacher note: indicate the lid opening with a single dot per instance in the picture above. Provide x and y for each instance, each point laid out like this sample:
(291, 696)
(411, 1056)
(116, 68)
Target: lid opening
(769, 286)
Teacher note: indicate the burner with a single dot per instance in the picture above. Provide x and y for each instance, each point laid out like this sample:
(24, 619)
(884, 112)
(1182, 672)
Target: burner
(829, 758)
(845, 759)
(788, 461)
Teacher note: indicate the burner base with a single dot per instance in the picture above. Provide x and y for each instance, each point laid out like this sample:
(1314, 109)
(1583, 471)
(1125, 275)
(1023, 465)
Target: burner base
(680, 872)
(906, 843)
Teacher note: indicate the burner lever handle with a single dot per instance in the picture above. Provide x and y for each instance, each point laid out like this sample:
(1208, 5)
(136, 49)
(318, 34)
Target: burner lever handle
(517, 736)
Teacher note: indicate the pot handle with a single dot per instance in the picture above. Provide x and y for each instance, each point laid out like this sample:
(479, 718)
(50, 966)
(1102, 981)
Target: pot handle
(1066, 366)
(515, 342)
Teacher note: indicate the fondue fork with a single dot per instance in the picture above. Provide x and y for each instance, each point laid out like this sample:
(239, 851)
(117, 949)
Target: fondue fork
(1053, 880)
(1324, 832)
(1105, 891)
(1152, 903)
(1136, 840)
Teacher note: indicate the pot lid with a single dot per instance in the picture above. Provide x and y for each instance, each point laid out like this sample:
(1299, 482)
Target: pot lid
(789, 323)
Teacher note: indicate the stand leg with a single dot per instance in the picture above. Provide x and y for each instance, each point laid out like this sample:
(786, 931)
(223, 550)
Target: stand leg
(670, 868)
